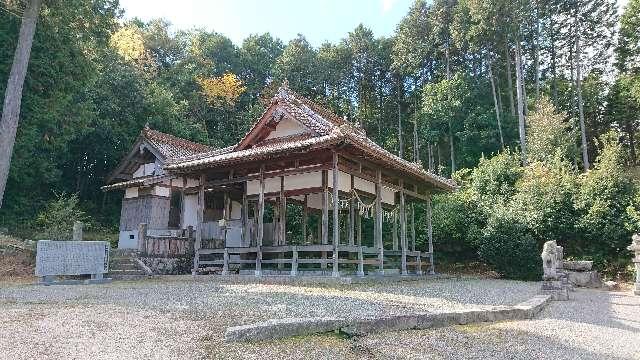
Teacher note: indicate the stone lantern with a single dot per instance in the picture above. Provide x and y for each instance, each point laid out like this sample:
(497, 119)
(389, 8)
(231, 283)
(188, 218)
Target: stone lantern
(635, 247)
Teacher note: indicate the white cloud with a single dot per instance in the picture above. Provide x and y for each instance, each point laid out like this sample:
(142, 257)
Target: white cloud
(388, 5)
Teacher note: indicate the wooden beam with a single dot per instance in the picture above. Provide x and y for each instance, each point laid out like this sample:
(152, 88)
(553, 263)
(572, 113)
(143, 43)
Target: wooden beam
(336, 215)
(260, 231)
(403, 230)
(374, 179)
(378, 222)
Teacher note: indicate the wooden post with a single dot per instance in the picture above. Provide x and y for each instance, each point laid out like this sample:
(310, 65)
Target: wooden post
(359, 229)
(283, 220)
(200, 216)
(142, 238)
(245, 217)
(413, 226)
(225, 266)
(182, 204)
(305, 218)
(378, 222)
(283, 214)
(419, 264)
(294, 261)
(432, 270)
(395, 231)
(260, 224)
(403, 229)
(325, 214)
(226, 212)
(360, 262)
(77, 231)
(336, 215)
(352, 214)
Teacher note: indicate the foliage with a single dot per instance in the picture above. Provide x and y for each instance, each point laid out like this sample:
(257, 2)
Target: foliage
(548, 133)
(56, 220)
(223, 90)
(508, 246)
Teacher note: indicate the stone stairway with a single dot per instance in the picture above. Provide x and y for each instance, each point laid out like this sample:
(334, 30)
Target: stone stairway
(123, 266)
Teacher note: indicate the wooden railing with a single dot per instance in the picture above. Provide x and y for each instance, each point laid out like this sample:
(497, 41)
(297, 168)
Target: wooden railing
(165, 246)
(295, 255)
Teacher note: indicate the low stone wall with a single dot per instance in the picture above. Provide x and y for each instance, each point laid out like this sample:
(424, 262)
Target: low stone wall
(167, 266)
(277, 329)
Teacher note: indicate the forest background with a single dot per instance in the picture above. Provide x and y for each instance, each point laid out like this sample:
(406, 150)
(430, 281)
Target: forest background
(531, 106)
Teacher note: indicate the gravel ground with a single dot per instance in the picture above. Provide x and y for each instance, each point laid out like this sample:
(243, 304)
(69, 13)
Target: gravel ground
(168, 318)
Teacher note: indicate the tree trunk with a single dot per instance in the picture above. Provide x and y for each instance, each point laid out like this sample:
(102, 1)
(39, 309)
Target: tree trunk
(537, 55)
(631, 133)
(509, 81)
(583, 132)
(416, 143)
(451, 146)
(13, 92)
(400, 143)
(495, 103)
(519, 88)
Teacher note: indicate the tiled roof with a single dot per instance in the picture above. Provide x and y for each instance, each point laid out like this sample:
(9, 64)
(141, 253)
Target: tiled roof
(327, 129)
(143, 180)
(172, 146)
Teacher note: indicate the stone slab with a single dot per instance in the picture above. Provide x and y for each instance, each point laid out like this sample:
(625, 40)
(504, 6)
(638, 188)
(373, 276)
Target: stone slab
(276, 329)
(71, 258)
(577, 265)
(589, 279)
(282, 328)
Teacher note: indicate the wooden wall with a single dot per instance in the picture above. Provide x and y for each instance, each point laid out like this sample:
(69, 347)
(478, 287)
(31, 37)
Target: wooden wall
(150, 209)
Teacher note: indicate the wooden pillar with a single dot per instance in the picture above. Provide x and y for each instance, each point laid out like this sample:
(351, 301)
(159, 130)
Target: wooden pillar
(359, 229)
(294, 261)
(260, 232)
(413, 226)
(432, 270)
(336, 215)
(182, 204)
(142, 237)
(352, 214)
(225, 265)
(226, 212)
(378, 222)
(245, 217)
(395, 231)
(325, 214)
(419, 264)
(283, 214)
(305, 218)
(360, 271)
(403, 229)
(200, 216)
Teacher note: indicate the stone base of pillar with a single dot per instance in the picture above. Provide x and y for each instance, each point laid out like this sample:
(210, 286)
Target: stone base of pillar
(555, 289)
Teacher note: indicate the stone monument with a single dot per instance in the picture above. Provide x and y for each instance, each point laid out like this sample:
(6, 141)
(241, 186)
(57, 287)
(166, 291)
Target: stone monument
(72, 258)
(552, 279)
(635, 247)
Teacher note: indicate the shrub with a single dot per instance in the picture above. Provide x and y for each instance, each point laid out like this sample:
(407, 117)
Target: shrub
(55, 222)
(509, 248)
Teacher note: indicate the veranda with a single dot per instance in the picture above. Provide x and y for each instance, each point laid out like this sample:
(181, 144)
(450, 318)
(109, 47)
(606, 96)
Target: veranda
(311, 180)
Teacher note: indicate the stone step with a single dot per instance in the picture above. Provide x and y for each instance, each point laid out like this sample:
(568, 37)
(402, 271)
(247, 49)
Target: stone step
(128, 277)
(126, 272)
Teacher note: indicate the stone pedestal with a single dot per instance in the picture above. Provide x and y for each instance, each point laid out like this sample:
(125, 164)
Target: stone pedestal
(556, 289)
(635, 247)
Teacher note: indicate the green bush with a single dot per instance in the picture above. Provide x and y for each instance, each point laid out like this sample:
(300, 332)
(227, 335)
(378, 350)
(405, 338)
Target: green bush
(55, 222)
(509, 248)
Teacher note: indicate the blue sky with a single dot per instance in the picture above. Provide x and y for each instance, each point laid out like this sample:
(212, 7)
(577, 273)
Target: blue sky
(318, 20)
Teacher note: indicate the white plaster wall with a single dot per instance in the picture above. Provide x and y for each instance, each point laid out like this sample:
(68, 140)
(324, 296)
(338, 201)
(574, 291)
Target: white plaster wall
(270, 185)
(161, 191)
(128, 240)
(236, 210)
(130, 192)
(287, 127)
(303, 181)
